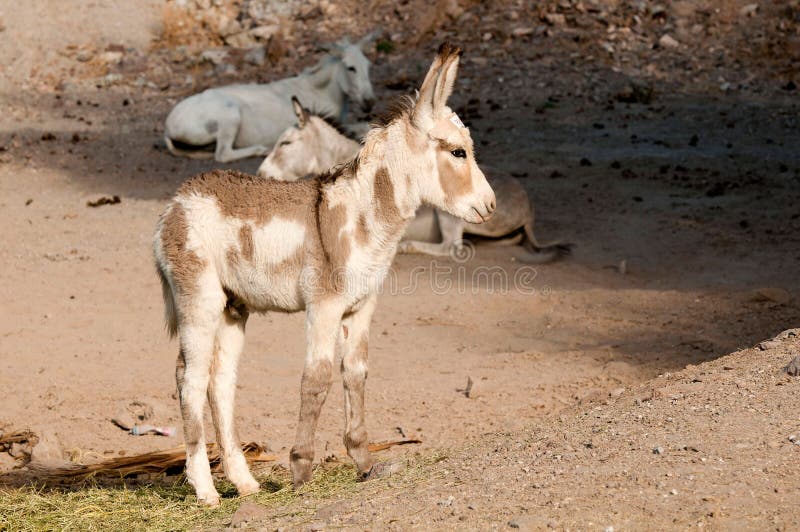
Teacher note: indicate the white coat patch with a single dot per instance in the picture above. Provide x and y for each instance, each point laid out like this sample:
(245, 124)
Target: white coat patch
(278, 240)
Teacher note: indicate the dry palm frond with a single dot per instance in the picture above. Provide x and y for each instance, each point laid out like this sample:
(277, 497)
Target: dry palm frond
(7, 439)
(166, 461)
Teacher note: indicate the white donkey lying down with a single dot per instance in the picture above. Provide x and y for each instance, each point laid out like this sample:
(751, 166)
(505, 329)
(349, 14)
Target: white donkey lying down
(239, 121)
(316, 144)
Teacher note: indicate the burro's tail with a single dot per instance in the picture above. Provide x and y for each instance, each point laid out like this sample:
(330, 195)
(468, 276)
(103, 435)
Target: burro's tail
(170, 312)
(534, 253)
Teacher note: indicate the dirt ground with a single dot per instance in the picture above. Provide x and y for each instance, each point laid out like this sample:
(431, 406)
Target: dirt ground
(683, 207)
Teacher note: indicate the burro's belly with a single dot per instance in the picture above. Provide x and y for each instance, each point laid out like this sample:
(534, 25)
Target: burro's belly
(270, 289)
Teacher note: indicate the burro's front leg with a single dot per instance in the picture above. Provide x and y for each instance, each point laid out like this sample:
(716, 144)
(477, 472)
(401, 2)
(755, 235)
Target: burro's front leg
(323, 322)
(353, 345)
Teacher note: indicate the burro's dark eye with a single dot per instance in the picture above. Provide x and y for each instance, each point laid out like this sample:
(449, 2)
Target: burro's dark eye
(351, 68)
(459, 152)
(285, 143)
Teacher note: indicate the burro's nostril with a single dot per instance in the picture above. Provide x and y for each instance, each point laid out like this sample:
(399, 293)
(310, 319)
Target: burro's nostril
(492, 205)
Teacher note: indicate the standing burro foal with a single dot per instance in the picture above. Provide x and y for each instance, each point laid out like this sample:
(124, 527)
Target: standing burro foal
(230, 243)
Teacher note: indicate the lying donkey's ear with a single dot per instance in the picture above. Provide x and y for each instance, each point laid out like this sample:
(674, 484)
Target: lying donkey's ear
(300, 112)
(366, 41)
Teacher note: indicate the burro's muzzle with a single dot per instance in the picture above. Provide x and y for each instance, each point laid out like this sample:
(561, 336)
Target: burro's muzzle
(483, 202)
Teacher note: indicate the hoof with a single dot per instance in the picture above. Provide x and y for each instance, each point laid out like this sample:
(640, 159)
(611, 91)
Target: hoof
(248, 488)
(210, 500)
(301, 471)
(380, 470)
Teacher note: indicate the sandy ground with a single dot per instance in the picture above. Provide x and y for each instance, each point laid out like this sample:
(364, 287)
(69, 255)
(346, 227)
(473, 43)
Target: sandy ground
(708, 233)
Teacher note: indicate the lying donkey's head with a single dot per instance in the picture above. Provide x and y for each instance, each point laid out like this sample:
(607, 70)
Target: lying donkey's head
(352, 75)
(310, 147)
(443, 170)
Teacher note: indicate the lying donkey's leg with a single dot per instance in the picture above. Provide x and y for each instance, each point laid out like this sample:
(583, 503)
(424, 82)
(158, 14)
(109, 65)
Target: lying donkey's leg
(194, 365)
(221, 393)
(452, 230)
(226, 135)
(323, 322)
(353, 342)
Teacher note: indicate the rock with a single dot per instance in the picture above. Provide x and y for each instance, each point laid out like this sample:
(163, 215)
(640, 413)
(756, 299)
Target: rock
(666, 41)
(446, 502)
(521, 32)
(110, 58)
(658, 450)
(793, 368)
(215, 56)
(49, 451)
(555, 19)
(248, 511)
(256, 55)
(265, 33)
(381, 470)
(766, 345)
(110, 79)
(84, 55)
(771, 294)
(243, 39)
(748, 10)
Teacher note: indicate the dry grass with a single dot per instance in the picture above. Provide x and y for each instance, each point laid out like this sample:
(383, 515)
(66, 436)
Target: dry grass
(91, 506)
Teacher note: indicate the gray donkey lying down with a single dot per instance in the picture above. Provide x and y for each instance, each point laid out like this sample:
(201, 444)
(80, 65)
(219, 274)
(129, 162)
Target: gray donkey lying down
(238, 121)
(316, 144)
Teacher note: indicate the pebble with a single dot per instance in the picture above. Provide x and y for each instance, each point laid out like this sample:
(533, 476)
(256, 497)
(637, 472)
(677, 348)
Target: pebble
(748, 10)
(667, 41)
(793, 368)
(658, 450)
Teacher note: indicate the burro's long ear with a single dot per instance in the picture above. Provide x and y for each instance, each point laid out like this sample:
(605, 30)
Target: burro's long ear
(444, 86)
(429, 99)
(365, 41)
(300, 112)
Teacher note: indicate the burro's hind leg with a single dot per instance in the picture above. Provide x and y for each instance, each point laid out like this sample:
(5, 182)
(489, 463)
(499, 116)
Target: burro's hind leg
(353, 345)
(198, 329)
(221, 397)
(323, 321)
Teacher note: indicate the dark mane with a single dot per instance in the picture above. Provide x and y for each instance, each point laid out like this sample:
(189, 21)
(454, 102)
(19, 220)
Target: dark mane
(343, 171)
(399, 108)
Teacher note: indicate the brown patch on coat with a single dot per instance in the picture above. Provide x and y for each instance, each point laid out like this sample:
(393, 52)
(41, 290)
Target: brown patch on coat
(232, 258)
(246, 197)
(362, 230)
(386, 210)
(335, 243)
(246, 242)
(455, 182)
(184, 265)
